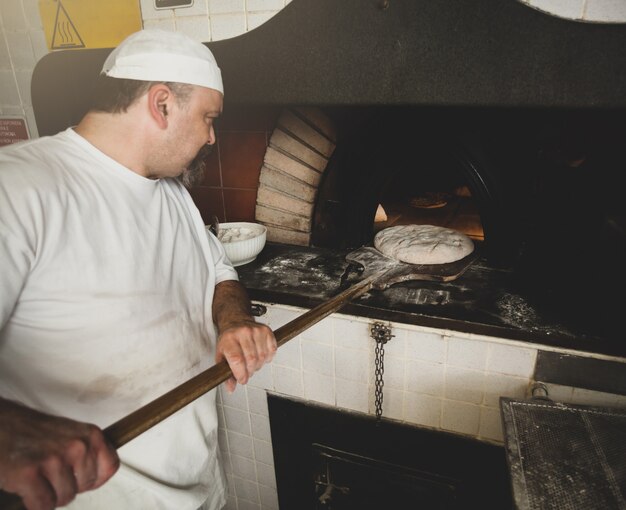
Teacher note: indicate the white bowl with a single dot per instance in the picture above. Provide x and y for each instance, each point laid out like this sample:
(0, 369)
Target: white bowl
(242, 240)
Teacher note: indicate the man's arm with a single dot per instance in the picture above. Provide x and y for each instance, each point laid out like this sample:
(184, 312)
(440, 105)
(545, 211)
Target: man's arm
(47, 460)
(245, 344)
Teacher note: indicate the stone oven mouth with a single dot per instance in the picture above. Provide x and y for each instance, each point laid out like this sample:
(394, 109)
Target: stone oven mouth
(544, 196)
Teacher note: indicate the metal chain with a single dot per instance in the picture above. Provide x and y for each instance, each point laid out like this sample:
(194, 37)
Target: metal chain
(381, 335)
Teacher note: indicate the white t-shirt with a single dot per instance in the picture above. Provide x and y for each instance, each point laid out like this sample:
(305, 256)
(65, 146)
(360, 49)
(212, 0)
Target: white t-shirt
(107, 282)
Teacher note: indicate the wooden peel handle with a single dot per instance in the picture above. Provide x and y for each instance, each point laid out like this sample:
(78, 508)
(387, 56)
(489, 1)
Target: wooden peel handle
(137, 422)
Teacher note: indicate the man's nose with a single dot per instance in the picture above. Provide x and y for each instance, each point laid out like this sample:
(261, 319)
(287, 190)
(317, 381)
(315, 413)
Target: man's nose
(212, 138)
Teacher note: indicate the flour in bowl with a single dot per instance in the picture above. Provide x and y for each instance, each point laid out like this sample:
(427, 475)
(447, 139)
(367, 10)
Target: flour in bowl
(230, 235)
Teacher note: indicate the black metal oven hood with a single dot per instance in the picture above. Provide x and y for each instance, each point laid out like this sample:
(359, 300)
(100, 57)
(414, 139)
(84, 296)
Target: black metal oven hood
(476, 53)
(420, 52)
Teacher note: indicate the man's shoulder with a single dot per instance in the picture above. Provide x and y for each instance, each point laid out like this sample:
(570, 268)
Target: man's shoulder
(33, 160)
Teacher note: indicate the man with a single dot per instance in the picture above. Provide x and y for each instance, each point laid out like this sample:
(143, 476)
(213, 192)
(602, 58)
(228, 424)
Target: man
(112, 292)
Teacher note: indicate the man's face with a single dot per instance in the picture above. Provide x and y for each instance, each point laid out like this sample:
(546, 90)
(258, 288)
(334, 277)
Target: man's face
(191, 135)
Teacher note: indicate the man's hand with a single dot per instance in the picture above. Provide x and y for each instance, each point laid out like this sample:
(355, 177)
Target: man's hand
(243, 343)
(47, 460)
(246, 347)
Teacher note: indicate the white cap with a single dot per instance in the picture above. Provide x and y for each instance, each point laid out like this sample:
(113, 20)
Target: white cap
(159, 55)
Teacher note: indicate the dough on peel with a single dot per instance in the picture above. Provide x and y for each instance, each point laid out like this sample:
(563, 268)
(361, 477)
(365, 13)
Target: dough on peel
(423, 244)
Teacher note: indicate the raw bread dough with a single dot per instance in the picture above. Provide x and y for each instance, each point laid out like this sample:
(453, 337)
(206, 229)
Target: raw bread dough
(423, 244)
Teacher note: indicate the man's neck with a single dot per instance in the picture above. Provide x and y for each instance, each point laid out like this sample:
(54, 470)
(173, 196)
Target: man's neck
(111, 133)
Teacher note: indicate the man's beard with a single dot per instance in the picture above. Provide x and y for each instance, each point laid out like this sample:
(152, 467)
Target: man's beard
(194, 173)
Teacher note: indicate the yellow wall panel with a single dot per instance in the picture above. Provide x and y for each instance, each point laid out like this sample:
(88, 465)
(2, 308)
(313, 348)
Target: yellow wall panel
(88, 23)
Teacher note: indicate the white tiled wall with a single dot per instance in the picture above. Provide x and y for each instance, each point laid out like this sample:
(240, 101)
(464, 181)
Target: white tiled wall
(433, 378)
(22, 41)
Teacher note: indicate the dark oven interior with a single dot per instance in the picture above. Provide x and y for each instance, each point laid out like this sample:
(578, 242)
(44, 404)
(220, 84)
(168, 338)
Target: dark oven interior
(538, 190)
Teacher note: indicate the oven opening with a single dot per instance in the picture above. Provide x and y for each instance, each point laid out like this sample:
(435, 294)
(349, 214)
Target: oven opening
(327, 458)
(536, 188)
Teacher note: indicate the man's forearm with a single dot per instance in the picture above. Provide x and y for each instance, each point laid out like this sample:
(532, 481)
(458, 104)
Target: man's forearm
(231, 305)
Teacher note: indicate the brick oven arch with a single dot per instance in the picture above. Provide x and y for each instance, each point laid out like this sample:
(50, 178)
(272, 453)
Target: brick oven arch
(296, 158)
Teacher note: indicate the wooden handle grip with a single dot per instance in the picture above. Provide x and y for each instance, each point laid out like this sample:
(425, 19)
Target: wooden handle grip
(137, 422)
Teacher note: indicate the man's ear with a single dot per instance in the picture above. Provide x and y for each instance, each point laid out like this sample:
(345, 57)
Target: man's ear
(160, 98)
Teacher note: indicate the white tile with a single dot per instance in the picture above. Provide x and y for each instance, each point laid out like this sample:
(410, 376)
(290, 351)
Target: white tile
(278, 316)
(393, 403)
(511, 360)
(467, 353)
(260, 427)
(319, 388)
(571, 9)
(263, 452)
(460, 417)
(5, 59)
(38, 40)
(464, 384)
(161, 24)
(352, 395)
(237, 420)
(11, 111)
(31, 13)
(265, 474)
(243, 467)
(490, 424)
(231, 502)
(226, 6)
(393, 374)
(289, 355)
(225, 459)
(425, 346)
(31, 122)
(244, 504)
(424, 377)
(222, 438)
(198, 8)
(237, 399)
(12, 15)
(269, 497)
(396, 346)
(8, 89)
(501, 385)
(352, 364)
(595, 398)
(422, 410)
(559, 393)
(256, 19)
(231, 491)
(352, 333)
(321, 332)
(238, 444)
(317, 358)
(196, 27)
(257, 401)
(263, 378)
(246, 489)
(606, 10)
(288, 381)
(21, 50)
(265, 5)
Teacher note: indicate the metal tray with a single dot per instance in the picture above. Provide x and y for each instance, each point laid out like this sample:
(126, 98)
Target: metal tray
(565, 457)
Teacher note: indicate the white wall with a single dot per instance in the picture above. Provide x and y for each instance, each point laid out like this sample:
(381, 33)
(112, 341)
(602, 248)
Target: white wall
(22, 41)
(438, 379)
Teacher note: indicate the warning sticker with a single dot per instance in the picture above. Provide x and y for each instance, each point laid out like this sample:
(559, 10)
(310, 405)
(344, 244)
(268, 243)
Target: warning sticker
(12, 130)
(88, 23)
